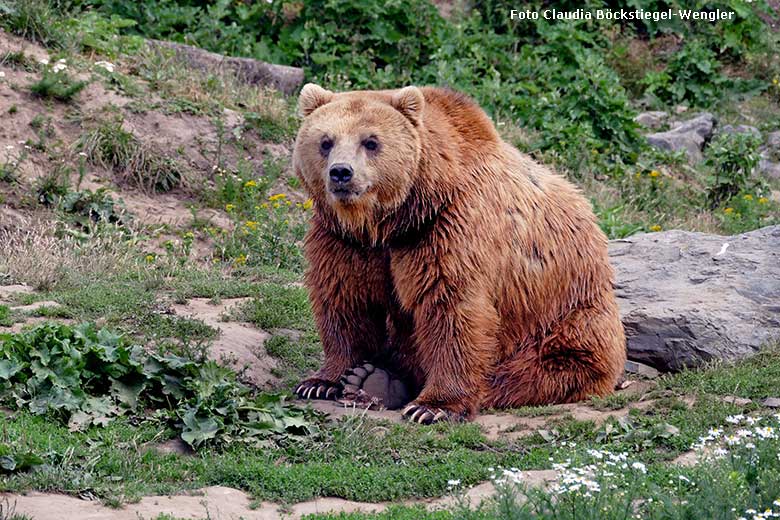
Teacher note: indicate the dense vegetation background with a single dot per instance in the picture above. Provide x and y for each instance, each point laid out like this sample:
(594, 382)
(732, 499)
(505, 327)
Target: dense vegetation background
(565, 91)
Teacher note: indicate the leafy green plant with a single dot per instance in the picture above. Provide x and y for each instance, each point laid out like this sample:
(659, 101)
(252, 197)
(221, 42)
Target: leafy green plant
(87, 208)
(732, 159)
(12, 460)
(693, 76)
(51, 187)
(86, 377)
(57, 84)
(267, 233)
(5, 316)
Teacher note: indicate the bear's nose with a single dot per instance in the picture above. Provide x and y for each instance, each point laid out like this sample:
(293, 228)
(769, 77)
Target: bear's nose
(341, 172)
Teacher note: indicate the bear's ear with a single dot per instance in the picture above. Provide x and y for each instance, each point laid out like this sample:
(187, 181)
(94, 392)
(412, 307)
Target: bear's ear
(410, 102)
(312, 97)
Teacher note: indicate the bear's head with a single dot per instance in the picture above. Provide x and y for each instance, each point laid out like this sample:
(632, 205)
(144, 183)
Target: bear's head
(357, 153)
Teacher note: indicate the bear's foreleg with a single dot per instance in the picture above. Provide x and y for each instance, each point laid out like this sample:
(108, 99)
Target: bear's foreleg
(347, 288)
(455, 346)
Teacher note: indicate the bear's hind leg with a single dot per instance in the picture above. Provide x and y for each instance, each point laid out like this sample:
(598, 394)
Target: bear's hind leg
(582, 357)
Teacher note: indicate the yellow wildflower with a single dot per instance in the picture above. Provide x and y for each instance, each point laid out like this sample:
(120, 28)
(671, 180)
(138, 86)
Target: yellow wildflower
(763, 200)
(189, 234)
(230, 207)
(775, 81)
(150, 258)
(655, 228)
(748, 197)
(289, 203)
(308, 204)
(638, 175)
(264, 205)
(250, 184)
(240, 259)
(278, 196)
(654, 174)
(728, 211)
(277, 205)
(251, 224)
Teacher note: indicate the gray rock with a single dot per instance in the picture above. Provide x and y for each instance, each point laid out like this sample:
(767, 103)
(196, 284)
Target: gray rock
(740, 129)
(771, 402)
(689, 136)
(773, 141)
(768, 168)
(739, 401)
(687, 298)
(652, 120)
(255, 72)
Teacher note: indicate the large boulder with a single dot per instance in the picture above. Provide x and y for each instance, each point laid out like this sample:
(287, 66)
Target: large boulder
(688, 298)
(255, 72)
(689, 136)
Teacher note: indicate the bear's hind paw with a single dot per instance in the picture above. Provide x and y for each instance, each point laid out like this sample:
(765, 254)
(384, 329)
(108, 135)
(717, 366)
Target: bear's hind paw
(318, 389)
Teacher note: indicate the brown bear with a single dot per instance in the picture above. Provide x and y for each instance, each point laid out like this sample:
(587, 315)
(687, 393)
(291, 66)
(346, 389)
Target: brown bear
(444, 254)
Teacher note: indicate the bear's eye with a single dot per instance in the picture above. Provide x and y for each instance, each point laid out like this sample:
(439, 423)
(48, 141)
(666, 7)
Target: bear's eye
(325, 146)
(371, 144)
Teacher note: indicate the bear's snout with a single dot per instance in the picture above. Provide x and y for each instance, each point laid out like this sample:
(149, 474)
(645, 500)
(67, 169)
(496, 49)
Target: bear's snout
(341, 173)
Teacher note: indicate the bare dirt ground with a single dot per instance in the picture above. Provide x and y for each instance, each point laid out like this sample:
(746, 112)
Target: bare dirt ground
(222, 503)
(239, 345)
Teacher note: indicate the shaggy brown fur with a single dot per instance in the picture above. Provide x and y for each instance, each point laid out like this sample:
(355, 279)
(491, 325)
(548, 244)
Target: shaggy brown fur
(476, 272)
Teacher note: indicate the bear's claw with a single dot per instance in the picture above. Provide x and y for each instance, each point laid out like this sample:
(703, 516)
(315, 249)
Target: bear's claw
(318, 389)
(424, 415)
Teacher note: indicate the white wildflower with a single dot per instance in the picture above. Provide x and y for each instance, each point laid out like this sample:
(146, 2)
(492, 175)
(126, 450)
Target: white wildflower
(639, 467)
(735, 419)
(106, 65)
(44, 61)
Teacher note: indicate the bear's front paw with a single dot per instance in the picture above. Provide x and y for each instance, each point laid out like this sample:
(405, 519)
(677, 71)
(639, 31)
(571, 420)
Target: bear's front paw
(315, 388)
(423, 414)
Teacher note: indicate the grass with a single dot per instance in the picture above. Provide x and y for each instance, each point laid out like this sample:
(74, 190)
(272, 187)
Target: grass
(755, 378)
(109, 145)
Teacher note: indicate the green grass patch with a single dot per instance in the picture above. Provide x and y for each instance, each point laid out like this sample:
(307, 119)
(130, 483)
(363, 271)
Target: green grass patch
(278, 306)
(754, 378)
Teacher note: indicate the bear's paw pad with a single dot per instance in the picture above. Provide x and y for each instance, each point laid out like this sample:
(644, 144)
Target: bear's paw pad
(372, 386)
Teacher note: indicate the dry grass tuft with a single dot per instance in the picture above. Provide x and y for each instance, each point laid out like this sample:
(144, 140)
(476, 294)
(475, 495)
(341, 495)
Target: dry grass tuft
(35, 255)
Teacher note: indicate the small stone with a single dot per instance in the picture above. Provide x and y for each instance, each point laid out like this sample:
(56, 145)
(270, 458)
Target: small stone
(640, 369)
(739, 401)
(652, 120)
(740, 129)
(771, 402)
